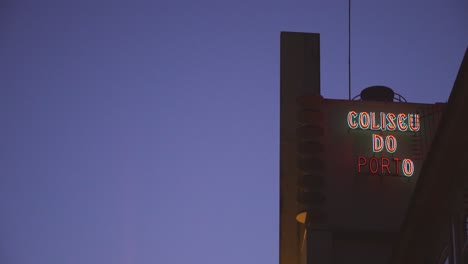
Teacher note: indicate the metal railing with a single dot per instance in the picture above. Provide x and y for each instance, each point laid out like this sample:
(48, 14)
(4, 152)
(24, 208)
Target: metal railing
(396, 98)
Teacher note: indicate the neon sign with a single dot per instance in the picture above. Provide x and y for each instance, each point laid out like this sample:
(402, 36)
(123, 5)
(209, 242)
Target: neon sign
(384, 144)
(378, 143)
(383, 121)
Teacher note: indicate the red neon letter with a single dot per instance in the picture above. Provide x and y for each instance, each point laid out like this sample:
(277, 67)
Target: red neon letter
(397, 168)
(352, 123)
(364, 120)
(374, 171)
(414, 122)
(391, 143)
(383, 124)
(374, 125)
(402, 126)
(377, 143)
(391, 121)
(361, 162)
(385, 163)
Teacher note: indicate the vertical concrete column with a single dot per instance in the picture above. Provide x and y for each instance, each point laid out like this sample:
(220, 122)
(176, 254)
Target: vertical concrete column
(299, 78)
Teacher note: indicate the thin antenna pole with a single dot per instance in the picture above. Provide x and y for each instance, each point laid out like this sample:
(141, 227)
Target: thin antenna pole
(349, 49)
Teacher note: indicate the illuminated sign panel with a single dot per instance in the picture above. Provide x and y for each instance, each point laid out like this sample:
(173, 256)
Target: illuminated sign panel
(358, 161)
(404, 122)
(388, 139)
(371, 157)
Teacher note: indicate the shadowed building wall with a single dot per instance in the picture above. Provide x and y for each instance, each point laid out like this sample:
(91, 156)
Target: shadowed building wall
(435, 226)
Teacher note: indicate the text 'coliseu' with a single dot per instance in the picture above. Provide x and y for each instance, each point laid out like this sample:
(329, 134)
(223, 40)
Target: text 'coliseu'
(383, 121)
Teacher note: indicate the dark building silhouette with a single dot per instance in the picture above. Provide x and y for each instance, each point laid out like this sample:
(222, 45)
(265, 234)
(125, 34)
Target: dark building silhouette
(353, 173)
(435, 225)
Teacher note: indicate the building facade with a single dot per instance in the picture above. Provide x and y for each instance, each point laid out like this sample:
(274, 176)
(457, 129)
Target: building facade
(349, 168)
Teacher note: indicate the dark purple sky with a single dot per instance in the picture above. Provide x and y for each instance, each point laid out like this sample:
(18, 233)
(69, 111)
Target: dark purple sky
(148, 132)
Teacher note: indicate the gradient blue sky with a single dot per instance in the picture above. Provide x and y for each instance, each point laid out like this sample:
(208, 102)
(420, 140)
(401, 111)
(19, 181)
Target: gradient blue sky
(148, 131)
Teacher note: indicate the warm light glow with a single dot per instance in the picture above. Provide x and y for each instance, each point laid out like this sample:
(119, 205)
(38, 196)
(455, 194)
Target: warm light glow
(301, 217)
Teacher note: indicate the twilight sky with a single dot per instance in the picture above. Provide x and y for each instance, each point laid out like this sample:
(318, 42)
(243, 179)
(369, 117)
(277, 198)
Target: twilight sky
(139, 132)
